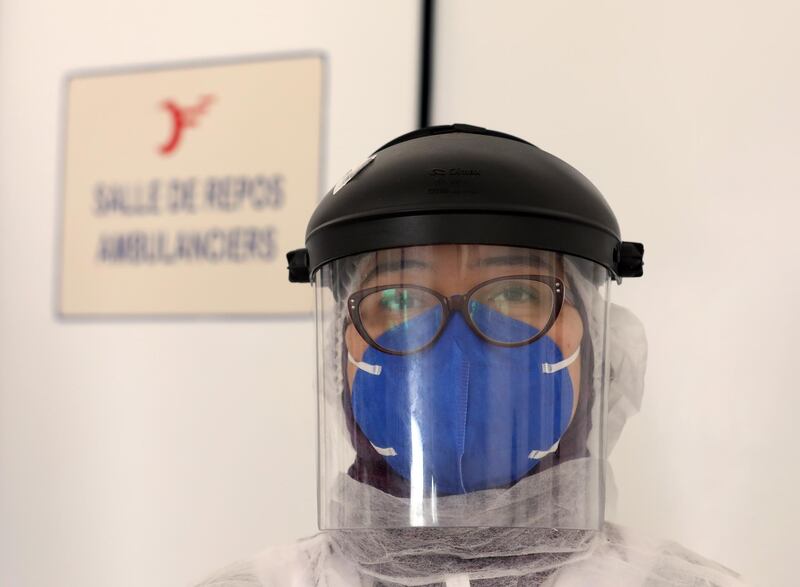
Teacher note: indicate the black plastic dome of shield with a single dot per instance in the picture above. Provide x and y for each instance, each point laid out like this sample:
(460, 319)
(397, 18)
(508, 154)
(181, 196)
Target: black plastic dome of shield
(461, 184)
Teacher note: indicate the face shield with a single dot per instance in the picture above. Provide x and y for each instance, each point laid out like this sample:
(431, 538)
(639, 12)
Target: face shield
(461, 279)
(461, 385)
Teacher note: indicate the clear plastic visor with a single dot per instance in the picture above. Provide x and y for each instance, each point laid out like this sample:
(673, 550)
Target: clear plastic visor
(460, 385)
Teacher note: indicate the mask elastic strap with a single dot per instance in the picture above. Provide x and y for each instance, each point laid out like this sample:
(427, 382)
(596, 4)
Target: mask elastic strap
(387, 452)
(555, 367)
(366, 367)
(540, 454)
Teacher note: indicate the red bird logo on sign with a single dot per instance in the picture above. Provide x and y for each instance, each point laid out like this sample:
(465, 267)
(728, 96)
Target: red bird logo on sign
(182, 118)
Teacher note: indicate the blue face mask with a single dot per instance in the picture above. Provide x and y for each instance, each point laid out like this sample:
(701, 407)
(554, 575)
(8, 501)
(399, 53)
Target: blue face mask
(463, 415)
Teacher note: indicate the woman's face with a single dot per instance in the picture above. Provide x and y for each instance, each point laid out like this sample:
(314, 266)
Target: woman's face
(455, 269)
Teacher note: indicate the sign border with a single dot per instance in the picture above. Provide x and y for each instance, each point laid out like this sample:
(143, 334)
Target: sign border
(60, 191)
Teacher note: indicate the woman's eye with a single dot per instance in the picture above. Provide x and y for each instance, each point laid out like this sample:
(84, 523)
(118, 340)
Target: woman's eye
(515, 294)
(398, 300)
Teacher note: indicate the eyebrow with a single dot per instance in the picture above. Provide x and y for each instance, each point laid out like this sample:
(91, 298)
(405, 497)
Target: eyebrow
(513, 260)
(397, 265)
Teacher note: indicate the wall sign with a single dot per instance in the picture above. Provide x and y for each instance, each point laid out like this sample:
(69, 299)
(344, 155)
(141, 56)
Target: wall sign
(185, 186)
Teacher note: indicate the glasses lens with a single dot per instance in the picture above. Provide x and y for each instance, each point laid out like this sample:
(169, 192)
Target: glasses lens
(401, 319)
(512, 310)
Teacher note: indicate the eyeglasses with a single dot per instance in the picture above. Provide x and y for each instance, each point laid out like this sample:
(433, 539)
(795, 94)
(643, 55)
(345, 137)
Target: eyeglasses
(507, 311)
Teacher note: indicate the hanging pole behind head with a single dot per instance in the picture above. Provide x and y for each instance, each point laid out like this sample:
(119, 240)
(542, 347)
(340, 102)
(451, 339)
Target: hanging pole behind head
(426, 65)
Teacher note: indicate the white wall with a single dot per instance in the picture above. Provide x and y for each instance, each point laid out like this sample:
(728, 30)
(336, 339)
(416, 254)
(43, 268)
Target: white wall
(685, 115)
(148, 453)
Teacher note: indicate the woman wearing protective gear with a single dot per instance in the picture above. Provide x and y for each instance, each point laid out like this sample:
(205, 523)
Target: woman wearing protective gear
(472, 376)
